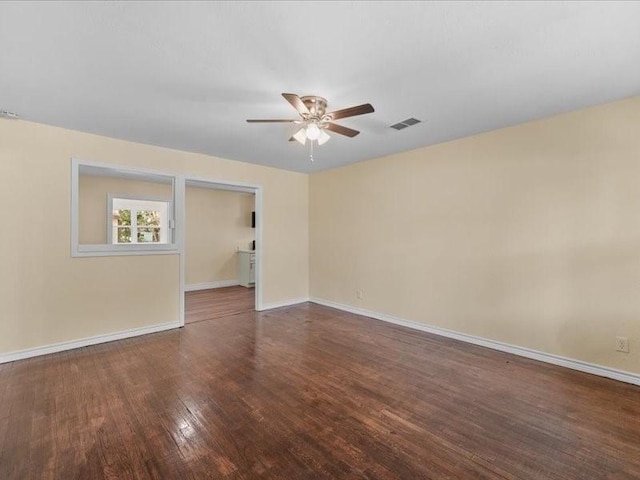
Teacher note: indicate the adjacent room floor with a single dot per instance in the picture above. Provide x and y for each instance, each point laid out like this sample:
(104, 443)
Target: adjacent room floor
(218, 302)
(308, 392)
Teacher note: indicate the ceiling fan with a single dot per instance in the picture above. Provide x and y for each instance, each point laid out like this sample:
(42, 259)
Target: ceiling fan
(315, 120)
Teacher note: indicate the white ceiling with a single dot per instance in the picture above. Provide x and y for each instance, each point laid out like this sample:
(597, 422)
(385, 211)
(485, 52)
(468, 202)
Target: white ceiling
(187, 75)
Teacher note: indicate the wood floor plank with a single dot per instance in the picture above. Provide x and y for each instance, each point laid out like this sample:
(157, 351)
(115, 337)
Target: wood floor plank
(309, 392)
(218, 302)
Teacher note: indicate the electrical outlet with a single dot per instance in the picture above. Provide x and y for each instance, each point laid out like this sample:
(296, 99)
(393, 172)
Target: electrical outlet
(359, 294)
(622, 344)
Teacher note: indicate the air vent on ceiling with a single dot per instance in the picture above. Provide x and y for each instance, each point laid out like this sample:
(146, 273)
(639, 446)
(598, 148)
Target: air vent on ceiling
(6, 114)
(405, 123)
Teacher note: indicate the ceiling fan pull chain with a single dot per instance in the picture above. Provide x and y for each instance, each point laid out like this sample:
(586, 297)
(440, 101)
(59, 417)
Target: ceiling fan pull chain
(311, 151)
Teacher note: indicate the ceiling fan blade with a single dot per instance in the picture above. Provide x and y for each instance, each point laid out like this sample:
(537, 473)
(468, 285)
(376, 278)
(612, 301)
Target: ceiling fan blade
(271, 121)
(297, 103)
(352, 111)
(349, 132)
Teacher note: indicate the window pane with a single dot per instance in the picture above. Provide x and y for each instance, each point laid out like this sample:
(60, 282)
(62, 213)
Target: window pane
(148, 235)
(122, 217)
(148, 217)
(124, 234)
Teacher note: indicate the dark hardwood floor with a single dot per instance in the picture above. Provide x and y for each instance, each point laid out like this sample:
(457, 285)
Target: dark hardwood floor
(308, 392)
(218, 302)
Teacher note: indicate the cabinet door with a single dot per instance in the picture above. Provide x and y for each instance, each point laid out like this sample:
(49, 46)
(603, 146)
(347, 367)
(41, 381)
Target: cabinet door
(246, 269)
(252, 268)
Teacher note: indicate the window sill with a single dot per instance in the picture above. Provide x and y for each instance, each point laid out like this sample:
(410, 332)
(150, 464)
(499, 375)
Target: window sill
(121, 250)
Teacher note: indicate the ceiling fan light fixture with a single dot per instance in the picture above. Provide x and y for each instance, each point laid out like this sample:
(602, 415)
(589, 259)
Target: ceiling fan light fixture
(314, 120)
(313, 131)
(323, 137)
(301, 136)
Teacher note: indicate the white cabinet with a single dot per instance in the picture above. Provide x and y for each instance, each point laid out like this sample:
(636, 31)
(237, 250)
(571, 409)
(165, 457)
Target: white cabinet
(246, 268)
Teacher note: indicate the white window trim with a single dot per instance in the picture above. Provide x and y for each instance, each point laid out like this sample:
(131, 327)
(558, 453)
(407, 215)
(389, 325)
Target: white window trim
(109, 249)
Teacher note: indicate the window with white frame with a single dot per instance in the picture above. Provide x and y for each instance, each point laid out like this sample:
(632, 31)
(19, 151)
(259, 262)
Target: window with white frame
(138, 220)
(119, 210)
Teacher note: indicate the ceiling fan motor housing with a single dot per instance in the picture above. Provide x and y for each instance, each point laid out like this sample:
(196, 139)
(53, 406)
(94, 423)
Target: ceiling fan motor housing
(316, 105)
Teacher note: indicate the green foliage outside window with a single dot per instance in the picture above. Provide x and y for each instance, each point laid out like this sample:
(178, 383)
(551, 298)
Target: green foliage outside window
(148, 226)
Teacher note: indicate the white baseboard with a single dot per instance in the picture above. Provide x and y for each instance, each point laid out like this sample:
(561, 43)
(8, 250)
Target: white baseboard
(573, 364)
(209, 285)
(84, 342)
(286, 303)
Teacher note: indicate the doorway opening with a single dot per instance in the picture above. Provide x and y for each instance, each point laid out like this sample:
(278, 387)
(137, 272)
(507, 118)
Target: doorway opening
(222, 250)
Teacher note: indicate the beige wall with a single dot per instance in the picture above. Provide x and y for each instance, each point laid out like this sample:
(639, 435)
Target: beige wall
(92, 202)
(48, 297)
(218, 222)
(528, 235)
